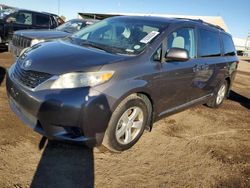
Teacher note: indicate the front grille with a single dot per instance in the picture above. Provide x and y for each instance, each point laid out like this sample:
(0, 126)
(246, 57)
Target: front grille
(21, 41)
(29, 78)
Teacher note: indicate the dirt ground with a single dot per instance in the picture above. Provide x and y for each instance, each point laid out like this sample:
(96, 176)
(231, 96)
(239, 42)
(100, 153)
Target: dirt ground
(200, 147)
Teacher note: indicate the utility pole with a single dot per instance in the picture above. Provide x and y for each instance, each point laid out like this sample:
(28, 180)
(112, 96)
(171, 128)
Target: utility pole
(58, 10)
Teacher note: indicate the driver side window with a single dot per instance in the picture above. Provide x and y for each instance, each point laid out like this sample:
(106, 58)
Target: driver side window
(183, 38)
(24, 18)
(105, 34)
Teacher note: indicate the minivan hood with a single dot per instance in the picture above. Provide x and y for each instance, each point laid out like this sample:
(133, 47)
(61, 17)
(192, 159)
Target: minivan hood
(61, 57)
(42, 34)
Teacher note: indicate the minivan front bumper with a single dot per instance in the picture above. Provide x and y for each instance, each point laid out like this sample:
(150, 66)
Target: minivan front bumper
(79, 115)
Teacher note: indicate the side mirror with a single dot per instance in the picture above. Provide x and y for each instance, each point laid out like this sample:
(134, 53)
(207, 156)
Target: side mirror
(177, 54)
(11, 20)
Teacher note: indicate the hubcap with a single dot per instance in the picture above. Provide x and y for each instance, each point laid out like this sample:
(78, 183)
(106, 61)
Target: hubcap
(221, 94)
(129, 125)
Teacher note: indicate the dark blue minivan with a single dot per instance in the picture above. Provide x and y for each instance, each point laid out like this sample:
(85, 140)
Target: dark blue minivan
(109, 82)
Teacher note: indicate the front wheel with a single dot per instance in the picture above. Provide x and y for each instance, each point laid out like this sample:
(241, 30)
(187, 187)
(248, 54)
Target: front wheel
(127, 123)
(220, 95)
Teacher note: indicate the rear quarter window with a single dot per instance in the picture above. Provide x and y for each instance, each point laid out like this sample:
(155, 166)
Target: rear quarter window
(229, 49)
(59, 20)
(42, 20)
(209, 43)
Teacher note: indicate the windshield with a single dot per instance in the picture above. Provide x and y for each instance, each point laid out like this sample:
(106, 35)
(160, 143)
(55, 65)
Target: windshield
(72, 26)
(120, 35)
(5, 12)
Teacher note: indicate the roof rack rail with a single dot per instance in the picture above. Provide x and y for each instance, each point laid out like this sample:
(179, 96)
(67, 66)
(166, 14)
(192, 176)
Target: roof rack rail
(202, 22)
(48, 13)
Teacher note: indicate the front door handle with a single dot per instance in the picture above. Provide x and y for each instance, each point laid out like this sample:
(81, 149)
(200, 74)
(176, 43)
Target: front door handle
(198, 68)
(205, 66)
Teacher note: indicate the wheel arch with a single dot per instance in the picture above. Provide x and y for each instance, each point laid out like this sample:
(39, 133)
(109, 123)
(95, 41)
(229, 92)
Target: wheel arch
(142, 93)
(150, 124)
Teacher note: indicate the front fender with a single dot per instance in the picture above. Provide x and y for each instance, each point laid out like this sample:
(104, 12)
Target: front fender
(125, 88)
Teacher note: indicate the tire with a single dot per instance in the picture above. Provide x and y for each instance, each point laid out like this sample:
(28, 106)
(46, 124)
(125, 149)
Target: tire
(128, 123)
(220, 95)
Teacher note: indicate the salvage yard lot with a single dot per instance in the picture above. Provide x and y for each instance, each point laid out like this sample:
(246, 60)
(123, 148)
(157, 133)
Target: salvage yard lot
(200, 147)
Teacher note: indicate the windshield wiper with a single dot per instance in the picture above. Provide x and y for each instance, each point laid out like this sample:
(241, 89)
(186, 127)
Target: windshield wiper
(68, 30)
(109, 49)
(94, 45)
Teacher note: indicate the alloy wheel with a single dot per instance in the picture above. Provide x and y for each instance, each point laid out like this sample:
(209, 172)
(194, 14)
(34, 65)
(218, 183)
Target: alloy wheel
(129, 125)
(221, 94)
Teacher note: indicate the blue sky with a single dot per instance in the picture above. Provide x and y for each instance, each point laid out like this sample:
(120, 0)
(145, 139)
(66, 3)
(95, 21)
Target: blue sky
(236, 14)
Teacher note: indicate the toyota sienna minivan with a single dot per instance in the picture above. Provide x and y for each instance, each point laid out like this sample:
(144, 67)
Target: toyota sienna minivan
(109, 82)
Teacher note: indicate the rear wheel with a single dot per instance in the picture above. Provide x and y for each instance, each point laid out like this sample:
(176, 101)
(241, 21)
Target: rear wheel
(220, 95)
(127, 123)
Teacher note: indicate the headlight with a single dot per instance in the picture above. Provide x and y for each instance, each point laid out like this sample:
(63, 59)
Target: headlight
(75, 80)
(36, 41)
(23, 51)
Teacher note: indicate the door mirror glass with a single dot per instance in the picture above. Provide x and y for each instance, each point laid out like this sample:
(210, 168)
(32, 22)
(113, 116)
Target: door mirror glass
(177, 54)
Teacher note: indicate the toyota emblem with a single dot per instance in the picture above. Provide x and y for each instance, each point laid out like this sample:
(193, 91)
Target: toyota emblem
(26, 64)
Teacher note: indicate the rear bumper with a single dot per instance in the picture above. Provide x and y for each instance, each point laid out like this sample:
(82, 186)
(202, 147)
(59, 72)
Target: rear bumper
(78, 115)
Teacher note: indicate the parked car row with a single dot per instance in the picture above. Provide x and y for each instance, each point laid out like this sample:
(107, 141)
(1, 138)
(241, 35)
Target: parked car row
(13, 19)
(26, 38)
(110, 81)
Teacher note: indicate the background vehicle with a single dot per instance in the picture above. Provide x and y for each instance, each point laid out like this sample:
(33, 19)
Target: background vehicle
(109, 82)
(3, 6)
(26, 38)
(13, 19)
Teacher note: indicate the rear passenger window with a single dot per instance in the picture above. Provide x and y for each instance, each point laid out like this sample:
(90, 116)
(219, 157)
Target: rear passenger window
(229, 49)
(183, 38)
(42, 20)
(209, 44)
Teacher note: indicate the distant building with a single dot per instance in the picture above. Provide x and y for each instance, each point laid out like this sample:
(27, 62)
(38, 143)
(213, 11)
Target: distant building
(240, 44)
(247, 47)
(215, 20)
